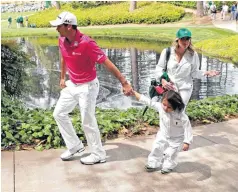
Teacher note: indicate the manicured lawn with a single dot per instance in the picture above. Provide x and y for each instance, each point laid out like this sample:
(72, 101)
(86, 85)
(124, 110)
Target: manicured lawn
(136, 32)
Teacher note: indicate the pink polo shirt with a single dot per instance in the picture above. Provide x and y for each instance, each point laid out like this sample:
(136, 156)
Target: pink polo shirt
(80, 57)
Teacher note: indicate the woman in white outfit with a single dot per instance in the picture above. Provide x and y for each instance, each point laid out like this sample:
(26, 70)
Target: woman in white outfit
(182, 66)
(175, 131)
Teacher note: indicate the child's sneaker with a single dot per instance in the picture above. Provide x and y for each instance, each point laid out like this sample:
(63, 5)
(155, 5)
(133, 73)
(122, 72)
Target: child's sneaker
(165, 171)
(151, 169)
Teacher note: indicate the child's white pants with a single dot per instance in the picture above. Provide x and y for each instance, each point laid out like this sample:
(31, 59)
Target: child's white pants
(85, 95)
(164, 152)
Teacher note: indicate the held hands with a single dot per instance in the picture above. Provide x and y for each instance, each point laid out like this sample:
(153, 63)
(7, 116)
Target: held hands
(212, 73)
(62, 83)
(127, 89)
(185, 147)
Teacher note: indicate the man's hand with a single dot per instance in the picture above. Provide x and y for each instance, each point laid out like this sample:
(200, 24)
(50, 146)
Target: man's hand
(62, 83)
(185, 146)
(127, 89)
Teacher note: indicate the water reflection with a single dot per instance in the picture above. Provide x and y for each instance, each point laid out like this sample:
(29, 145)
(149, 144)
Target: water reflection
(138, 67)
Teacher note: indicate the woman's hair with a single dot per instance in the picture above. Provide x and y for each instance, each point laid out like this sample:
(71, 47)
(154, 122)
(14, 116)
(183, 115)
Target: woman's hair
(174, 99)
(190, 48)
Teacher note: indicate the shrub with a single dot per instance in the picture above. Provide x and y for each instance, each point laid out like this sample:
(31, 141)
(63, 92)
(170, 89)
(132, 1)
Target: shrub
(111, 14)
(38, 128)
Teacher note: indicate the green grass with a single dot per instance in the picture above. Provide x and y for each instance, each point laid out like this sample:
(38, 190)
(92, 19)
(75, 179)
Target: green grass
(157, 33)
(223, 47)
(144, 32)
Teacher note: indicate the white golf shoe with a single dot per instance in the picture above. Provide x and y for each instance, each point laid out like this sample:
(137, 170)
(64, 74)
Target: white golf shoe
(92, 159)
(68, 154)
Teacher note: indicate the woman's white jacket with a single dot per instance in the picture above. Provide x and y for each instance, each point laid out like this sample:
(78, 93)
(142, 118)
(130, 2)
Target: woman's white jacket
(181, 73)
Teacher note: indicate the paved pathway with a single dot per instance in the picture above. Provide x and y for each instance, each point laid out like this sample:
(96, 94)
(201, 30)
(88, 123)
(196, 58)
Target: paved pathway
(211, 165)
(225, 24)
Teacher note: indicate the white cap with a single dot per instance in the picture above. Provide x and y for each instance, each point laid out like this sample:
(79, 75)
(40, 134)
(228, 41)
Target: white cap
(64, 18)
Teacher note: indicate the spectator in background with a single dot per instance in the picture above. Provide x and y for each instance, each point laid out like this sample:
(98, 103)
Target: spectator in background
(236, 11)
(21, 21)
(9, 21)
(205, 7)
(224, 11)
(26, 19)
(18, 22)
(213, 11)
(236, 15)
(233, 12)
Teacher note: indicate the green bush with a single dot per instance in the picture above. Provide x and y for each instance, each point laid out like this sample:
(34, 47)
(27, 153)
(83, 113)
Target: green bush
(110, 14)
(187, 4)
(37, 127)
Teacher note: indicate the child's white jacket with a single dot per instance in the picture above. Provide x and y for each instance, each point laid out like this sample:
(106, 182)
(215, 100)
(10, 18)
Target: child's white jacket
(174, 125)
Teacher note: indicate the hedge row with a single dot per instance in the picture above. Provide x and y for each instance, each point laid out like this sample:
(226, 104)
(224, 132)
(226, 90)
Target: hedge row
(106, 14)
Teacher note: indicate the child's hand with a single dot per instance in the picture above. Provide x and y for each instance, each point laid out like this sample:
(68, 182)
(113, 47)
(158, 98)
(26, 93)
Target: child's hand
(185, 146)
(133, 93)
(137, 95)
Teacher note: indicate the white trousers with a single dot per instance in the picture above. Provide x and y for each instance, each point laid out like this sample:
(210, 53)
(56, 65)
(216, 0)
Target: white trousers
(186, 95)
(164, 152)
(85, 95)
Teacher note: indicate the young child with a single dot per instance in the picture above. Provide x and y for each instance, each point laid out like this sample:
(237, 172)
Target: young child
(175, 131)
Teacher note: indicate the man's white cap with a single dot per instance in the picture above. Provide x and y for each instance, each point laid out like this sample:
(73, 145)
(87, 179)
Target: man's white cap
(64, 18)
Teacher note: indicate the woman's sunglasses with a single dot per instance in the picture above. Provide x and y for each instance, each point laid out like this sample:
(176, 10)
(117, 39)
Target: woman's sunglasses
(185, 38)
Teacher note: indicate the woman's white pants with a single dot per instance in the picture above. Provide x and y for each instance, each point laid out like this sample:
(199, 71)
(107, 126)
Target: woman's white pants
(85, 95)
(186, 95)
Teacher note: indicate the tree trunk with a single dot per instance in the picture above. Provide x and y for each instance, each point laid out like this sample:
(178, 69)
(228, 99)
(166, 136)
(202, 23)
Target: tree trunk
(200, 11)
(134, 69)
(57, 4)
(132, 6)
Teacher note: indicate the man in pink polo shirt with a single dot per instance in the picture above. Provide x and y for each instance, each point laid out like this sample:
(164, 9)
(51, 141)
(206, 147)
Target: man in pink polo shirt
(79, 54)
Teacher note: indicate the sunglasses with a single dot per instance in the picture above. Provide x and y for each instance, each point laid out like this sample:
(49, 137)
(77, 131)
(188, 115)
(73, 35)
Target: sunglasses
(185, 38)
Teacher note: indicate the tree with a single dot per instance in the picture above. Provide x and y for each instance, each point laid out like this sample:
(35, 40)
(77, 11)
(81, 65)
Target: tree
(132, 6)
(200, 11)
(134, 68)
